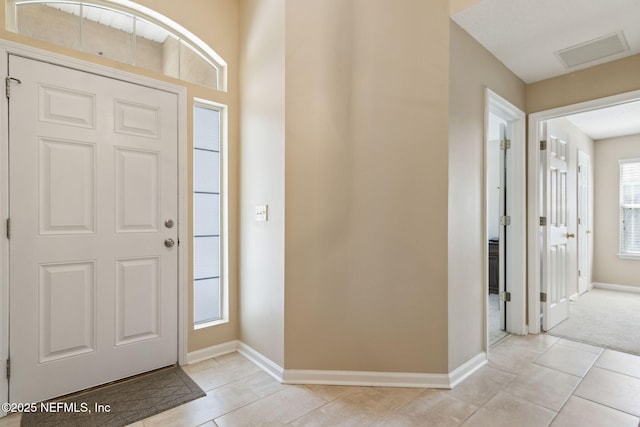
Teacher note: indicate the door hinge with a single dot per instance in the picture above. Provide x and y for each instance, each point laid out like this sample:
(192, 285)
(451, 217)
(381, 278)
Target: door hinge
(543, 145)
(7, 82)
(579, 273)
(8, 368)
(505, 296)
(505, 144)
(505, 220)
(8, 228)
(543, 297)
(543, 221)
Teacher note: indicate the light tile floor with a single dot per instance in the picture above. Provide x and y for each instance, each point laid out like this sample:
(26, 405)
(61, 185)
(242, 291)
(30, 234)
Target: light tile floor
(534, 380)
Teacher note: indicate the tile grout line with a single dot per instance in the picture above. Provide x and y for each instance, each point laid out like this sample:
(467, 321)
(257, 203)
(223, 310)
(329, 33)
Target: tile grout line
(515, 376)
(315, 409)
(579, 382)
(244, 405)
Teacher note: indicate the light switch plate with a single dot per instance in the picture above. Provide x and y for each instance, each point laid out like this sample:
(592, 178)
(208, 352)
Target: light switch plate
(262, 213)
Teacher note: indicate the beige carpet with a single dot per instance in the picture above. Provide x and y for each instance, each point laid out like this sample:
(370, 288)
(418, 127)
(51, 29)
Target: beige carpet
(604, 318)
(128, 401)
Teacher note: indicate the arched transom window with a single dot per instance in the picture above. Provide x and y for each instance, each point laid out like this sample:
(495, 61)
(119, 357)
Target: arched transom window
(122, 31)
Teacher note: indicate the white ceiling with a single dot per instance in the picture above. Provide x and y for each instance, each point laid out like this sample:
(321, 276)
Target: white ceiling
(610, 122)
(525, 34)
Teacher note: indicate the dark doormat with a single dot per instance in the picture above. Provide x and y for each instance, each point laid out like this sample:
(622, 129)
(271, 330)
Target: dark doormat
(120, 403)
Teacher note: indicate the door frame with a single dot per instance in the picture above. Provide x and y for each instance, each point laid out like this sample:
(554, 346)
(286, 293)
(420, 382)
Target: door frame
(516, 207)
(8, 47)
(533, 188)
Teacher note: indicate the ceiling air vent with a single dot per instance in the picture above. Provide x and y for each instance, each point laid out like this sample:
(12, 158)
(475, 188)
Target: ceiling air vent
(593, 50)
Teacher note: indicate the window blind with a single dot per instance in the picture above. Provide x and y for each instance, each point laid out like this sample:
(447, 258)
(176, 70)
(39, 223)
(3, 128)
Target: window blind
(630, 207)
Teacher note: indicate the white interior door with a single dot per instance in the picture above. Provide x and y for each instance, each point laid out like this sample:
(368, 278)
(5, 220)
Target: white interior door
(584, 222)
(502, 240)
(555, 305)
(93, 178)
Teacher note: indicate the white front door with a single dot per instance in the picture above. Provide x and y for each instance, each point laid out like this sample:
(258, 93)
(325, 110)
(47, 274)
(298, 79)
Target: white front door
(554, 234)
(93, 178)
(584, 222)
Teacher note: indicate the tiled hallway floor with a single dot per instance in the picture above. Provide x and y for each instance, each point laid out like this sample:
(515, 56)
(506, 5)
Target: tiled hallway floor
(535, 380)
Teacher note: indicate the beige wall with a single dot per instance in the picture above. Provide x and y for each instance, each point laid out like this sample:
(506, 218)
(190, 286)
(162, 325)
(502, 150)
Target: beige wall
(473, 69)
(577, 140)
(607, 267)
(216, 23)
(596, 82)
(366, 185)
(262, 130)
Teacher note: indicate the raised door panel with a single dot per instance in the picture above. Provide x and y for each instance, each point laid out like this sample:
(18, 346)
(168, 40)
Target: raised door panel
(66, 107)
(137, 119)
(67, 312)
(67, 193)
(137, 300)
(137, 191)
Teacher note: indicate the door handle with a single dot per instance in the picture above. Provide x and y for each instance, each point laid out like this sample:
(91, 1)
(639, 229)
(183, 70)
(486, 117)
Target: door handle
(570, 235)
(169, 243)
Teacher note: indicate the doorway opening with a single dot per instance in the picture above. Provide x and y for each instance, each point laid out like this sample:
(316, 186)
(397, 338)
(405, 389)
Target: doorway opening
(497, 229)
(595, 135)
(505, 219)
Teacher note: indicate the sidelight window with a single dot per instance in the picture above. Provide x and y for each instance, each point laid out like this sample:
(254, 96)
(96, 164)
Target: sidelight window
(208, 247)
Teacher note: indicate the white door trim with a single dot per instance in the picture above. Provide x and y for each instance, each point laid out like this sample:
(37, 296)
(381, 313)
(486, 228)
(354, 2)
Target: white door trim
(516, 207)
(533, 211)
(6, 48)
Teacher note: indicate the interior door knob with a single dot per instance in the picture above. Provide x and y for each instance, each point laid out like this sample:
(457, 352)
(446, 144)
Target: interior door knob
(169, 243)
(570, 235)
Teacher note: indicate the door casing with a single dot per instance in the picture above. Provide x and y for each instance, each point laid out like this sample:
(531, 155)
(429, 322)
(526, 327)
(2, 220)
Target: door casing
(533, 189)
(6, 48)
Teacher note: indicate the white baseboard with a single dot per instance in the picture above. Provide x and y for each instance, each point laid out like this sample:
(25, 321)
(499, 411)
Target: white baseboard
(213, 351)
(349, 378)
(366, 379)
(266, 364)
(386, 379)
(465, 370)
(612, 287)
